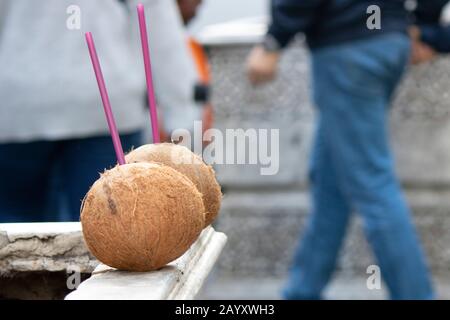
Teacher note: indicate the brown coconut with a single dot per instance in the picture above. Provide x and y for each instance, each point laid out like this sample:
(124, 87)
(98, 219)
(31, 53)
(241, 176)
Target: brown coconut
(140, 217)
(188, 163)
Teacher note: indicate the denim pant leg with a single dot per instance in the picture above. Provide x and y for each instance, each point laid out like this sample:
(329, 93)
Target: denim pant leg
(316, 255)
(353, 84)
(24, 183)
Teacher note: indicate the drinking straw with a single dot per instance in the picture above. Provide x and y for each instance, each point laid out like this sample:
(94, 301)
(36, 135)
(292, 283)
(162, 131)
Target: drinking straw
(148, 73)
(105, 99)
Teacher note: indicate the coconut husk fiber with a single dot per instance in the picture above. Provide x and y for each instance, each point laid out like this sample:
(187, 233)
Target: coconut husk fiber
(188, 163)
(141, 216)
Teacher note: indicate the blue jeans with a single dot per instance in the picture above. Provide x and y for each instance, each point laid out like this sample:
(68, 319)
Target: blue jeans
(352, 169)
(47, 180)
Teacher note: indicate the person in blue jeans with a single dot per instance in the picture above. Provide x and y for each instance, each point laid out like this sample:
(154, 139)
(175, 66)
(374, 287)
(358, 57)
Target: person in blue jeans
(355, 71)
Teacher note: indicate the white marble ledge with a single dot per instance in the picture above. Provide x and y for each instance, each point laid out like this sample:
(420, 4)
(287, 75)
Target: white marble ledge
(180, 280)
(26, 247)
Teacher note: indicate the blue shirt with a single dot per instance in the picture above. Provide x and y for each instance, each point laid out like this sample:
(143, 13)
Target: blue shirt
(329, 22)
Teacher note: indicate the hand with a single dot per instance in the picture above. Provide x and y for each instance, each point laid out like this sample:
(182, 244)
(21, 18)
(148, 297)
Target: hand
(421, 52)
(262, 65)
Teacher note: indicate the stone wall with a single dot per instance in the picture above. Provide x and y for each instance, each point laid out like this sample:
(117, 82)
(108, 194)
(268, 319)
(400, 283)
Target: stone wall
(263, 215)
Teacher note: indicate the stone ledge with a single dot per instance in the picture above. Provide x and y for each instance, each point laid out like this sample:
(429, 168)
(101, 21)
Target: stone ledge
(53, 247)
(264, 228)
(181, 279)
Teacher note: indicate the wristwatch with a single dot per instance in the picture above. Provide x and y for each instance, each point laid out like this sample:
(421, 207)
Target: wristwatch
(270, 44)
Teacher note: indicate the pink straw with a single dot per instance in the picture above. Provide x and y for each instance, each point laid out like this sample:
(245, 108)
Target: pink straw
(105, 99)
(148, 73)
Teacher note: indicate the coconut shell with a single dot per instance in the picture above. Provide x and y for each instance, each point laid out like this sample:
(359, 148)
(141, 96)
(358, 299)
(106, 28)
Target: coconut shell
(142, 216)
(188, 163)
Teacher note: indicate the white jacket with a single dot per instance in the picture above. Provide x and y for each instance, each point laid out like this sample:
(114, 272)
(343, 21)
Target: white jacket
(47, 85)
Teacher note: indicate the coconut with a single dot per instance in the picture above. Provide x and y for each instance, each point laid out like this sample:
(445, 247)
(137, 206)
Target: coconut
(142, 216)
(188, 163)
